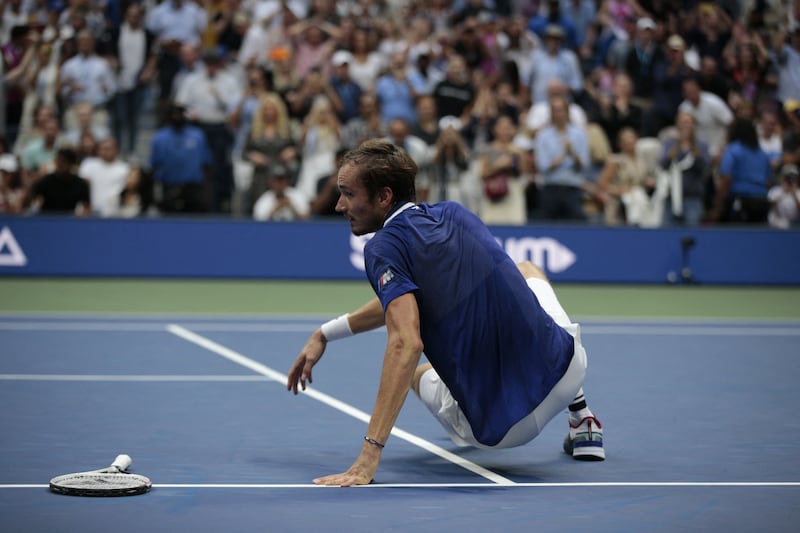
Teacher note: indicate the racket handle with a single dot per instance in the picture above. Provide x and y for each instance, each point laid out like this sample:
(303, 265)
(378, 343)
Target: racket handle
(122, 462)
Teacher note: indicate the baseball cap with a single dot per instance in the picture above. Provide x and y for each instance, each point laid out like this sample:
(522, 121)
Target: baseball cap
(449, 122)
(676, 42)
(645, 23)
(554, 30)
(341, 57)
(8, 162)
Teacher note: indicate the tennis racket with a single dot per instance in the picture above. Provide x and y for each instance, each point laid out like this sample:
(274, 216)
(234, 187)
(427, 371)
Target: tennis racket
(112, 481)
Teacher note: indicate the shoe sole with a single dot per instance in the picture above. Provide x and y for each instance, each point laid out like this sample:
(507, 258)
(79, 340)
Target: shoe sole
(584, 453)
(596, 454)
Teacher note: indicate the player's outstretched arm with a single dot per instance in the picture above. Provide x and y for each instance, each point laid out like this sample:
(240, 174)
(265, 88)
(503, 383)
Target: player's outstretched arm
(367, 317)
(403, 351)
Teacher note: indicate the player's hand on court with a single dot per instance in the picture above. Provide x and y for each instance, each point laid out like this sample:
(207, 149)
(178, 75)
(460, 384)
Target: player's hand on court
(361, 473)
(309, 355)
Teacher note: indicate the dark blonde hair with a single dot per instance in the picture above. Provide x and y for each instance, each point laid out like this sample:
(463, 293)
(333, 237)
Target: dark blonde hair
(384, 164)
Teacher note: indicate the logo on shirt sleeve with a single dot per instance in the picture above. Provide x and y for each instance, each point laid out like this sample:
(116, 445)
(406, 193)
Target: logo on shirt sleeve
(385, 278)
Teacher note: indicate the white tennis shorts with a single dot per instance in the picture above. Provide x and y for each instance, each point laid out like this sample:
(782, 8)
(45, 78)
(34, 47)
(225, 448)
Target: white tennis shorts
(437, 398)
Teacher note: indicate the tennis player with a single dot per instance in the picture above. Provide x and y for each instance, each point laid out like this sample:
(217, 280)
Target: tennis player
(503, 357)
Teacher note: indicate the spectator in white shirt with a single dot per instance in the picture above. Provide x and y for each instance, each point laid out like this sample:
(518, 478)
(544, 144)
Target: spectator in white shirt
(107, 175)
(281, 202)
(210, 96)
(711, 114)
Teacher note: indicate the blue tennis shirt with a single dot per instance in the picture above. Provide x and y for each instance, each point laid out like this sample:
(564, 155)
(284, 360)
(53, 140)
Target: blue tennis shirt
(483, 329)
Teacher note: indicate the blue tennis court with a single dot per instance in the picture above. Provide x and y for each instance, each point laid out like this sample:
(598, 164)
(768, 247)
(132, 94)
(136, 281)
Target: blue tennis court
(700, 429)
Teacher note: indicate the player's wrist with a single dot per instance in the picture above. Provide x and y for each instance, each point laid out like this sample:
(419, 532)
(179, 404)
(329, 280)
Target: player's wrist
(338, 328)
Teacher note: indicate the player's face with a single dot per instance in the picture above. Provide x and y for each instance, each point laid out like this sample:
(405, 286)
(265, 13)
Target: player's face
(365, 215)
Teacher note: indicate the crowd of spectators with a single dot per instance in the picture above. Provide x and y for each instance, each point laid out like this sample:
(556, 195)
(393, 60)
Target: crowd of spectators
(615, 112)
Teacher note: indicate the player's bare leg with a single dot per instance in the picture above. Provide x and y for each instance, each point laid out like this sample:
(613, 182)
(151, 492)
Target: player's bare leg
(585, 438)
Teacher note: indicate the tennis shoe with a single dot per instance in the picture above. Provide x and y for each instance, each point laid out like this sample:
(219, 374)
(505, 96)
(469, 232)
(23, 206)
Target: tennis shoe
(585, 440)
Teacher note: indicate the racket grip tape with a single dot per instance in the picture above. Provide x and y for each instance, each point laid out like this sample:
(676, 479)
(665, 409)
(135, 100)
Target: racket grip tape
(122, 462)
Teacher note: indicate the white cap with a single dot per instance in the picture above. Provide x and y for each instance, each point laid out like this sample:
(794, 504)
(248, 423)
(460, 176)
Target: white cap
(645, 23)
(341, 57)
(8, 162)
(449, 122)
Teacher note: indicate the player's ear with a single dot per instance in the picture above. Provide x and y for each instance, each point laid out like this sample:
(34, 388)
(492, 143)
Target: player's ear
(386, 196)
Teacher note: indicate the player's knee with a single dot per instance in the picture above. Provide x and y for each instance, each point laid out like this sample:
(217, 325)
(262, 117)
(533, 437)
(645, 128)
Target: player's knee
(529, 270)
(421, 369)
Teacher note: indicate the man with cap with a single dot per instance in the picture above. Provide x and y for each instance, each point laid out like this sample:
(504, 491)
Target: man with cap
(642, 57)
(348, 91)
(668, 76)
(553, 61)
(281, 202)
(209, 96)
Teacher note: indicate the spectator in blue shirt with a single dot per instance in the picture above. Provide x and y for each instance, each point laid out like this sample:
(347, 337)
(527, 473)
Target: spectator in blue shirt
(180, 160)
(745, 175)
(562, 155)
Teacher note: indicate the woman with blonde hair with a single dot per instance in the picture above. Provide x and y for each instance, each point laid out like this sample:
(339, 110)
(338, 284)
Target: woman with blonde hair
(320, 139)
(270, 144)
(686, 163)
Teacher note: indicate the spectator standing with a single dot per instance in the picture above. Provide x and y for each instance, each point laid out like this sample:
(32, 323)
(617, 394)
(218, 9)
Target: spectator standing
(685, 157)
(180, 160)
(786, 56)
(562, 156)
(174, 23)
(61, 191)
(320, 139)
(107, 175)
(711, 114)
(313, 42)
(668, 77)
(87, 78)
(642, 59)
(553, 14)
(424, 75)
(620, 111)
(367, 64)
(394, 92)
(18, 54)
(553, 61)
(455, 94)
(209, 97)
(347, 92)
(745, 173)
(131, 45)
(241, 118)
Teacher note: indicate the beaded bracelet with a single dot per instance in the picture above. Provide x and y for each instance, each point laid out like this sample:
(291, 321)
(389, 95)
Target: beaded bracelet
(374, 442)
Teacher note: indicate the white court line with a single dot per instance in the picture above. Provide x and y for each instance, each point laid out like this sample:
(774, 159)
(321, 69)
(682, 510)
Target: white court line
(717, 330)
(334, 403)
(152, 326)
(579, 484)
(131, 377)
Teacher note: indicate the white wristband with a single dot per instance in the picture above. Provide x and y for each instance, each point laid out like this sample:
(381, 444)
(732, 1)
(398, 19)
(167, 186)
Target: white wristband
(338, 328)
